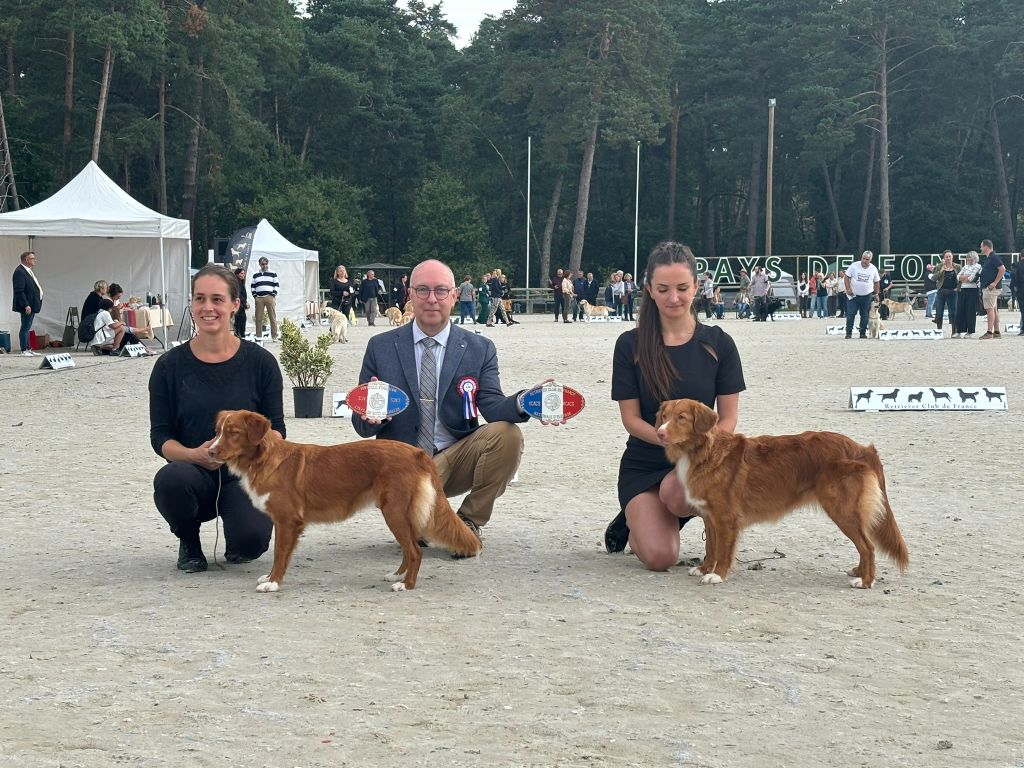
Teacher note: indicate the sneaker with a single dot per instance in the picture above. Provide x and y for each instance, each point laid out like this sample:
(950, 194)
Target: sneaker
(955, 336)
(27, 353)
(190, 556)
(849, 335)
(996, 335)
(616, 535)
(968, 335)
(986, 335)
(473, 527)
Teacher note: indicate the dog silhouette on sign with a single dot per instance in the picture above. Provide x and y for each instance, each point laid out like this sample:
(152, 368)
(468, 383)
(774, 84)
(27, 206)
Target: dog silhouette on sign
(965, 396)
(863, 396)
(936, 395)
(914, 398)
(889, 395)
(993, 395)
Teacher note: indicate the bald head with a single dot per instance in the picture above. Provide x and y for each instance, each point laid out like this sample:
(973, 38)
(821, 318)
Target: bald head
(434, 268)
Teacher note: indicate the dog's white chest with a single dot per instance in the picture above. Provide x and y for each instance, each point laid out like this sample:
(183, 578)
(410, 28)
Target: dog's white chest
(259, 501)
(683, 470)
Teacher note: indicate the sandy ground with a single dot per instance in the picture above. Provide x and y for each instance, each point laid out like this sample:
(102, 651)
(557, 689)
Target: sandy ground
(545, 651)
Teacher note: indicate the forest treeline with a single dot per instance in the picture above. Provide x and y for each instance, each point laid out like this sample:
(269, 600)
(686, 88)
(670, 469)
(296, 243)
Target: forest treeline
(359, 129)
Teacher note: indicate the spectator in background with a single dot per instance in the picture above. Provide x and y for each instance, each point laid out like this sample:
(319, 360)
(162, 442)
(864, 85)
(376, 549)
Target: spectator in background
(946, 283)
(618, 292)
(579, 289)
(708, 293)
(400, 293)
(114, 293)
(28, 299)
(803, 294)
(719, 303)
(832, 288)
(991, 281)
(759, 291)
(264, 293)
(243, 304)
(592, 289)
(341, 290)
(930, 291)
(885, 281)
(1017, 289)
(466, 291)
(861, 281)
(967, 304)
(369, 290)
(496, 308)
(91, 305)
(629, 295)
(506, 300)
(744, 281)
(556, 289)
(568, 294)
(821, 296)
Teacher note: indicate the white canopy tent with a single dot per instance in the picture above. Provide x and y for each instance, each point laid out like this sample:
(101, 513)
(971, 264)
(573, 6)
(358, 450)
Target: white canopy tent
(93, 230)
(298, 271)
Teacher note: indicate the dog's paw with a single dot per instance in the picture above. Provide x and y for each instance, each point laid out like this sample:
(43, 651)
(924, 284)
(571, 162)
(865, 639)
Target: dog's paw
(858, 583)
(853, 572)
(267, 586)
(398, 586)
(394, 577)
(711, 578)
(263, 579)
(696, 571)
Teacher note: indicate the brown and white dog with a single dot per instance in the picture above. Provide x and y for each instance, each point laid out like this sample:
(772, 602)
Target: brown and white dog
(297, 484)
(735, 481)
(589, 310)
(338, 323)
(394, 315)
(899, 307)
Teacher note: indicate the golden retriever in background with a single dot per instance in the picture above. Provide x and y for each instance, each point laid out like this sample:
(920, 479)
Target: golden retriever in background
(406, 315)
(735, 481)
(338, 323)
(899, 307)
(394, 315)
(296, 484)
(874, 321)
(589, 310)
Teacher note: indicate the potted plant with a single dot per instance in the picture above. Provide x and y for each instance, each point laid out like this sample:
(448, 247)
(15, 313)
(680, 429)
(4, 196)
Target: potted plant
(308, 366)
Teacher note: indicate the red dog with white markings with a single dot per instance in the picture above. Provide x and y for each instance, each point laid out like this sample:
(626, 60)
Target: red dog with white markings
(735, 481)
(297, 484)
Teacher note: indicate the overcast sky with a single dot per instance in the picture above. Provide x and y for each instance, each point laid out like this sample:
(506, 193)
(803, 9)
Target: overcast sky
(467, 14)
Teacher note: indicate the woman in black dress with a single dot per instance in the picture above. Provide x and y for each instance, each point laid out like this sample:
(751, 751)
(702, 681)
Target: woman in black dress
(669, 355)
(243, 304)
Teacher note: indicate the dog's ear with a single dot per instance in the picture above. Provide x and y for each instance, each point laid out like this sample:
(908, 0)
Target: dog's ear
(704, 419)
(219, 424)
(256, 426)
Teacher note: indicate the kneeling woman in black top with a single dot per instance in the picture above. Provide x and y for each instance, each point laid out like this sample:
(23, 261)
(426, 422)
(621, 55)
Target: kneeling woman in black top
(669, 355)
(189, 385)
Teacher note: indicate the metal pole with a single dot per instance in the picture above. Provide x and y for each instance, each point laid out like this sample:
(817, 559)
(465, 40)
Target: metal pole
(771, 163)
(529, 168)
(636, 219)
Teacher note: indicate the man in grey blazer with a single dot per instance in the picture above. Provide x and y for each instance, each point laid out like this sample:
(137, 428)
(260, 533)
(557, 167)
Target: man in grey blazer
(28, 299)
(470, 456)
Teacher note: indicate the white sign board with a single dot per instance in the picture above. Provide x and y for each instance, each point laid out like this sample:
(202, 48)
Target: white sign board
(1013, 327)
(133, 350)
(918, 334)
(835, 330)
(913, 398)
(57, 362)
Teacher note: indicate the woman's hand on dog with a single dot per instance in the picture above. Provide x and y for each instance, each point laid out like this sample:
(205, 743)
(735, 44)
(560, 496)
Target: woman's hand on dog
(201, 456)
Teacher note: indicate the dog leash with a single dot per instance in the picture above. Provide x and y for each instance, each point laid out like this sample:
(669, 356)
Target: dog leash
(216, 511)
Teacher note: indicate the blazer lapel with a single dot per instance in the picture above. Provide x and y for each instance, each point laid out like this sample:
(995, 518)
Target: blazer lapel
(452, 359)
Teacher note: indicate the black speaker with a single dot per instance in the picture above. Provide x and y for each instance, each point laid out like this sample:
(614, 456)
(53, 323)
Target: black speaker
(220, 250)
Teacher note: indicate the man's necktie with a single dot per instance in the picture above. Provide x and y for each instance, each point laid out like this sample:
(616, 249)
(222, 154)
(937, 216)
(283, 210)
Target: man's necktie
(428, 395)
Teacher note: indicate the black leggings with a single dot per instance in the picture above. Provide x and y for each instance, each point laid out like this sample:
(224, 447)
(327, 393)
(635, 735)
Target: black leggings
(185, 493)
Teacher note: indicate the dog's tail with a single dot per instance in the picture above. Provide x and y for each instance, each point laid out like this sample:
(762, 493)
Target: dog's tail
(442, 526)
(884, 531)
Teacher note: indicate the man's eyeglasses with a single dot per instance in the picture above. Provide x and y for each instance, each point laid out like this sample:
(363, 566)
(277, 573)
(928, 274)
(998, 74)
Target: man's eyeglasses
(441, 291)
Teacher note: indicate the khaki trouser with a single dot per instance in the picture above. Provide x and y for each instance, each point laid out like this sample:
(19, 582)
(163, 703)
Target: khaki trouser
(482, 464)
(266, 304)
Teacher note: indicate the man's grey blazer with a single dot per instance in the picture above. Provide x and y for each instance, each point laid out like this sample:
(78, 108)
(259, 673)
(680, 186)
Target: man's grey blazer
(390, 357)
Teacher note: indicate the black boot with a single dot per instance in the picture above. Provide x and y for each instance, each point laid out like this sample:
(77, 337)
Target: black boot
(616, 535)
(190, 554)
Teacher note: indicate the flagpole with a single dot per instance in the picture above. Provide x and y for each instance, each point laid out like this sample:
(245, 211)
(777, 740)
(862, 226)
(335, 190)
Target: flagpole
(636, 221)
(529, 169)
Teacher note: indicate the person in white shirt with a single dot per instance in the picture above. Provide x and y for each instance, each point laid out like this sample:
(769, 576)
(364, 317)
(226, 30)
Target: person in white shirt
(967, 305)
(861, 281)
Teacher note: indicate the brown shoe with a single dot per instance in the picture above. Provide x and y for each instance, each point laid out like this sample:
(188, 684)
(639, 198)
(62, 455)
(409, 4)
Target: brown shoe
(986, 335)
(996, 335)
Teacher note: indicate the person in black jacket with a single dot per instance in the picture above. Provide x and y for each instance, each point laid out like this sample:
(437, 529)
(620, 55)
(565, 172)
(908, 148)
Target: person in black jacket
(28, 299)
(243, 304)
(369, 291)
(91, 305)
(341, 290)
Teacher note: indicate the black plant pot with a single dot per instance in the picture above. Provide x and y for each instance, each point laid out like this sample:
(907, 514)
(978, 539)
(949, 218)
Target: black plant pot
(309, 402)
